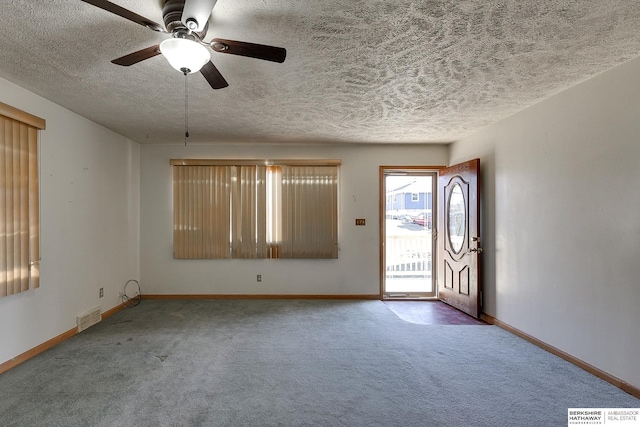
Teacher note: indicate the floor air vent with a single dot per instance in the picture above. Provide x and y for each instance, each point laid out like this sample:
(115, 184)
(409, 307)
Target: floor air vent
(88, 318)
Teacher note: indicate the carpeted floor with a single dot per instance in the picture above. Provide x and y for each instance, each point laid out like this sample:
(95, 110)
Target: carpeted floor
(294, 363)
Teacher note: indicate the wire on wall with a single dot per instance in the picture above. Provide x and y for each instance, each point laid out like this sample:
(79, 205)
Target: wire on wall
(131, 301)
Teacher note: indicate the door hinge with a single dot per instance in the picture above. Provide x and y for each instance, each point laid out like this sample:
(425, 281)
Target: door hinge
(435, 234)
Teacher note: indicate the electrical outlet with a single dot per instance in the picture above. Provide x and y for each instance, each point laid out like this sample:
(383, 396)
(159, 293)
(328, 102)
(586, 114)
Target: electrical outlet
(101, 292)
(259, 278)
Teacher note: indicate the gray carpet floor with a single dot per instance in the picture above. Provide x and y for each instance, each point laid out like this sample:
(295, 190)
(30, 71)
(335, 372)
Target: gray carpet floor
(294, 363)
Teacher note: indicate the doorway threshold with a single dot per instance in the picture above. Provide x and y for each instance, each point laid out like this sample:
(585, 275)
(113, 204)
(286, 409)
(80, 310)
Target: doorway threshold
(408, 297)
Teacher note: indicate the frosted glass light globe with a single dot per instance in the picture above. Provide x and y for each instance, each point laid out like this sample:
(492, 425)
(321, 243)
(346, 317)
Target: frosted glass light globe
(185, 55)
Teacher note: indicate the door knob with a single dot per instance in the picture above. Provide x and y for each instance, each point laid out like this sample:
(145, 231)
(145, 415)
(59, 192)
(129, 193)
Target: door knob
(478, 250)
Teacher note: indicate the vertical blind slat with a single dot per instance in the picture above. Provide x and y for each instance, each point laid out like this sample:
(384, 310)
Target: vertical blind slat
(34, 210)
(23, 219)
(10, 213)
(5, 128)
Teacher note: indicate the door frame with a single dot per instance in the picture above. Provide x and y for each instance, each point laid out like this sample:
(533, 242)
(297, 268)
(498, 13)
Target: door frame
(382, 171)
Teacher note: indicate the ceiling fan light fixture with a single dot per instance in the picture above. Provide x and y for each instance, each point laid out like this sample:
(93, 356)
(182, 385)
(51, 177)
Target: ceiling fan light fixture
(185, 54)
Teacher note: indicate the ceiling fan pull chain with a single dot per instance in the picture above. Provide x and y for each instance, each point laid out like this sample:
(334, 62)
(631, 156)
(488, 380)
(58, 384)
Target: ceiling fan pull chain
(186, 108)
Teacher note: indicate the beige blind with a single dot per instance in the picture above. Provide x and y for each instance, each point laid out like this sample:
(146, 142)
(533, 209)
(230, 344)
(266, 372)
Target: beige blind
(309, 212)
(201, 211)
(255, 210)
(19, 202)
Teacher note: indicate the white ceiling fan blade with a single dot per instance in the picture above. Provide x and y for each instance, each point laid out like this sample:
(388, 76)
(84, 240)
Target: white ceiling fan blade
(196, 13)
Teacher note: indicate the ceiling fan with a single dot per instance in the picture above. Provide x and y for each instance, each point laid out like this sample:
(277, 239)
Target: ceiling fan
(187, 22)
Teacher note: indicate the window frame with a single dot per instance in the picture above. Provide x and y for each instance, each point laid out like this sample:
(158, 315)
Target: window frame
(20, 148)
(238, 191)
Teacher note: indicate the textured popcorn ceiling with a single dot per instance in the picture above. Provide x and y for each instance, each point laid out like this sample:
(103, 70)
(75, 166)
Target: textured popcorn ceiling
(392, 71)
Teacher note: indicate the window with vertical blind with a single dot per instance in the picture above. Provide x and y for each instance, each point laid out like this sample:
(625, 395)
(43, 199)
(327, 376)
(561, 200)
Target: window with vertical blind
(255, 209)
(19, 201)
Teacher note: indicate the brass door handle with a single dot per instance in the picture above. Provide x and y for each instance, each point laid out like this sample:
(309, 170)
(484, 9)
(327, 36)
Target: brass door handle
(478, 250)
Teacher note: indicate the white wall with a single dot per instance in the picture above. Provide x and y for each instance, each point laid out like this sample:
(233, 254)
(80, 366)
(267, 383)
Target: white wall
(89, 224)
(356, 271)
(561, 226)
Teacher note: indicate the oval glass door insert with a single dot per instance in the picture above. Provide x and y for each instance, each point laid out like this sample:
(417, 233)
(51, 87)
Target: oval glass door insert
(456, 218)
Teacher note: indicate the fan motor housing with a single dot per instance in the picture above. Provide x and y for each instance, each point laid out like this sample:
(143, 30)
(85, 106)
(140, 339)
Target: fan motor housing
(172, 16)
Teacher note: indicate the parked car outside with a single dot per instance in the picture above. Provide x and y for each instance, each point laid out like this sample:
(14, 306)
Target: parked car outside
(401, 215)
(423, 219)
(406, 218)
